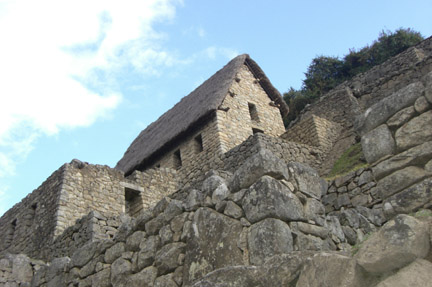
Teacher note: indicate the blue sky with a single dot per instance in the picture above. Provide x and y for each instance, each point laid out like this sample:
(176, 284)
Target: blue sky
(81, 79)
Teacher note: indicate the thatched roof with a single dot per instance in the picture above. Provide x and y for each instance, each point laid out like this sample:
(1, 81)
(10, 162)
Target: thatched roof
(192, 111)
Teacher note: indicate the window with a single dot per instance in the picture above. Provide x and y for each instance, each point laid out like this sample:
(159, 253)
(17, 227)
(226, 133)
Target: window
(133, 202)
(32, 214)
(177, 162)
(253, 112)
(256, 131)
(10, 233)
(198, 144)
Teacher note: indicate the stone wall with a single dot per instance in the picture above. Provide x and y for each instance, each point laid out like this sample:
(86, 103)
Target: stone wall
(30, 224)
(314, 131)
(246, 108)
(155, 184)
(344, 104)
(67, 195)
(397, 142)
(197, 231)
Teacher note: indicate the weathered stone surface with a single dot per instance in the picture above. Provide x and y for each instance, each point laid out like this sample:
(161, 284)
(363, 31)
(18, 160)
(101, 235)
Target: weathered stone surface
(148, 251)
(258, 165)
(270, 198)
(173, 209)
(84, 254)
(114, 252)
(417, 273)
(308, 180)
(220, 193)
(21, 268)
(233, 210)
(380, 112)
(343, 180)
(342, 200)
(167, 258)
(211, 183)
(145, 277)
(101, 278)
(212, 244)
(329, 199)
(399, 180)
(378, 143)
(410, 199)
(365, 178)
(310, 229)
(194, 200)
(428, 166)
(165, 281)
(375, 216)
(153, 226)
(350, 235)
(142, 219)
(267, 238)
(417, 156)
(415, 132)
(307, 242)
(166, 235)
(233, 276)
(401, 117)
(120, 270)
(314, 210)
(421, 105)
(332, 223)
(398, 243)
(428, 87)
(330, 269)
(133, 241)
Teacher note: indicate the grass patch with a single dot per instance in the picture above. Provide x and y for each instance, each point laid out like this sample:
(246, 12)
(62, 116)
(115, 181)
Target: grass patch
(422, 213)
(350, 160)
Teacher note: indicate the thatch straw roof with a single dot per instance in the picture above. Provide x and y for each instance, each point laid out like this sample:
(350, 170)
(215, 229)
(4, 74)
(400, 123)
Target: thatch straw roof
(191, 113)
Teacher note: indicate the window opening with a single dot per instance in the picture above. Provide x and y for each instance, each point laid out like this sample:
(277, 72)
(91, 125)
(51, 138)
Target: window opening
(198, 144)
(177, 159)
(10, 233)
(253, 112)
(133, 202)
(32, 214)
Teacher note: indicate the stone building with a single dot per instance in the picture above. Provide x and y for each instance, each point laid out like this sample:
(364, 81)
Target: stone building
(224, 111)
(179, 148)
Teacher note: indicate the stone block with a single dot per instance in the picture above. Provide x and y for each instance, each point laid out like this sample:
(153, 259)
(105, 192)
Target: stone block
(329, 269)
(267, 238)
(167, 258)
(410, 199)
(308, 180)
(428, 87)
(212, 244)
(417, 273)
(398, 243)
(401, 117)
(256, 166)
(421, 105)
(270, 198)
(416, 156)
(400, 180)
(378, 143)
(415, 132)
(233, 210)
(380, 112)
(235, 275)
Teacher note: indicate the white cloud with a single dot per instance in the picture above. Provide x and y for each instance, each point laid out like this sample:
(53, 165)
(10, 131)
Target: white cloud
(50, 53)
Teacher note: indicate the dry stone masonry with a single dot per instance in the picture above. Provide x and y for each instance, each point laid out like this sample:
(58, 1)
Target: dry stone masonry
(232, 199)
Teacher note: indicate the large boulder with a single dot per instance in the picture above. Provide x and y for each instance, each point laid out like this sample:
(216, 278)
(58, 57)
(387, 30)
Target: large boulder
(416, 156)
(167, 258)
(256, 166)
(417, 273)
(415, 132)
(233, 276)
(308, 180)
(398, 243)
(267, 238)
(378, 143)
(380, 112)
(270, 198)
(330, 269)
(212, 244)
(400, 180)
(409, 199)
